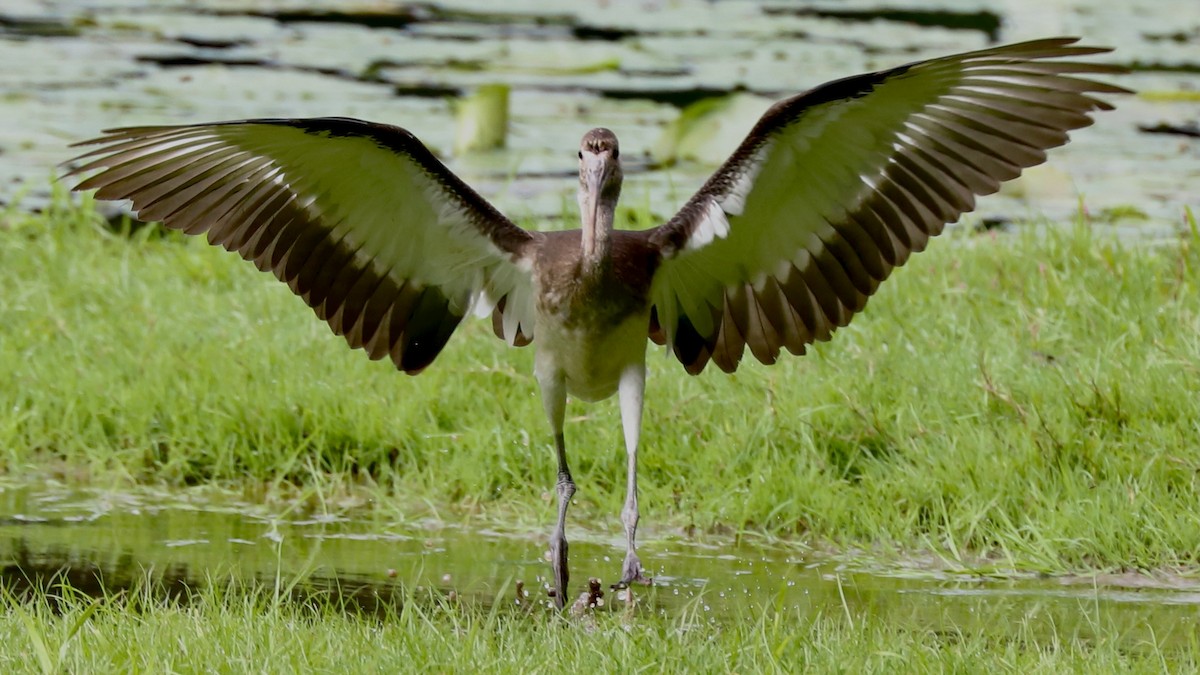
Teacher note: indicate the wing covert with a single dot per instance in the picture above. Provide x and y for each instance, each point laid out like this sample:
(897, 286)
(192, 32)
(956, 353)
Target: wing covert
(386, 245)
(836, 187)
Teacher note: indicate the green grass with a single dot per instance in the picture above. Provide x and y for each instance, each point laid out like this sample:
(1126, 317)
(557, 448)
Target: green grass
(1027, 399)
(1008, 403)
(223, 630)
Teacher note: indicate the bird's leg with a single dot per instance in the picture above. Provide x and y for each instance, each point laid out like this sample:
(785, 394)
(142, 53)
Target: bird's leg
(630, 392)
(554, 398)
(558, 540)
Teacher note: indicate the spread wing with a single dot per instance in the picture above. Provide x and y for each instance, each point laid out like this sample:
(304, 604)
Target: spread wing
(360, 220)
(839, 185)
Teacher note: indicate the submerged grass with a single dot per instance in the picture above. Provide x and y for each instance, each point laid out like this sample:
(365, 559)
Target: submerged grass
(1026, 401)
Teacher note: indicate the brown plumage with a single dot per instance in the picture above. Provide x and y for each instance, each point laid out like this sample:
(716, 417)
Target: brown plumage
(830, 191)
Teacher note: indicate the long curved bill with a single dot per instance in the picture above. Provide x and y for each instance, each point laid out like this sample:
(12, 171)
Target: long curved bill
(594, 173)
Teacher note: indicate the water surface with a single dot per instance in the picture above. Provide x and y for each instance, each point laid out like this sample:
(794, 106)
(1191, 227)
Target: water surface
(72, 68)
(104, 542)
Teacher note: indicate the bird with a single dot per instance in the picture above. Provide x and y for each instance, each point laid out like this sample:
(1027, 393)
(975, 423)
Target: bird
(831, 190)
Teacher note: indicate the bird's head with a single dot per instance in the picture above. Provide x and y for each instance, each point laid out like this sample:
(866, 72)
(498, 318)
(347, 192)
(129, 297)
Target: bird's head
(599, 175)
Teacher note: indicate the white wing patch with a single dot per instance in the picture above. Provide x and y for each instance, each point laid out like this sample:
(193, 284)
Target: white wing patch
(734, 201)
(713, 225)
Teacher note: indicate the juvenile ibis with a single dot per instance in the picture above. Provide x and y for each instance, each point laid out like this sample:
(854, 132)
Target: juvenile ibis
(831, 190)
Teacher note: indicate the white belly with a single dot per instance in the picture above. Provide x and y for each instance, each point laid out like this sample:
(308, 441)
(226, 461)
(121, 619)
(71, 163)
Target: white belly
(589, 359)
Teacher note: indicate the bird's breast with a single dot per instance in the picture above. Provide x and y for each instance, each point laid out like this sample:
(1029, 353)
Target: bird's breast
(592, 321)
(589, 356)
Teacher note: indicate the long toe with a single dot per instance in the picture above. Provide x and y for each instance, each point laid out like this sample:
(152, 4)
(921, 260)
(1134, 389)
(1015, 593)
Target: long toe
(631, 573)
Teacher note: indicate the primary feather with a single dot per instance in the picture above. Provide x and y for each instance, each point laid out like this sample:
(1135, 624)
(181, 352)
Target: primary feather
(359, 219)
(837, 186)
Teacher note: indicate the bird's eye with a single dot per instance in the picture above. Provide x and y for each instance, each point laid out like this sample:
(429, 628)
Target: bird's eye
(580, 154)
(616, 153)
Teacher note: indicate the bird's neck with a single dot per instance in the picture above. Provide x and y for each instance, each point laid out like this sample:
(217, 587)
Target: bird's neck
(597, 235)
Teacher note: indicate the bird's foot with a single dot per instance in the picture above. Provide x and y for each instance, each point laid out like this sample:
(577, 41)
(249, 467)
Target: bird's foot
(558, 562)
(631, 573)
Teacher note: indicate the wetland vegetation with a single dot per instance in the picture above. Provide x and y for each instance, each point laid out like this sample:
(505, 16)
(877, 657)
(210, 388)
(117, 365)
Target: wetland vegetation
(1010, 406)
(995, 468)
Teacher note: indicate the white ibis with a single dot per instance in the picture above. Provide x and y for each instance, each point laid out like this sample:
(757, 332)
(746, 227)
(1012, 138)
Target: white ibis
(831, 190)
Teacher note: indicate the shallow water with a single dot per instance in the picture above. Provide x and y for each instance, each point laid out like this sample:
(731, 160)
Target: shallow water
(72, 68)
(105, 542)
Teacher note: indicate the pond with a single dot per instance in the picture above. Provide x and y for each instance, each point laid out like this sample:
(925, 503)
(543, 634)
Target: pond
(103, 542)
(74, 68)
